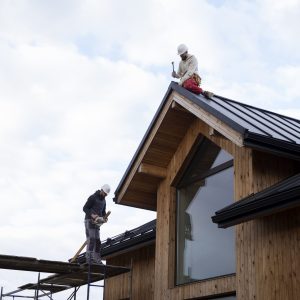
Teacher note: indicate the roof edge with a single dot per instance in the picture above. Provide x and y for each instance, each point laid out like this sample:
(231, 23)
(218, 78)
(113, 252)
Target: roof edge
(167, 94)
(174, 86)
(184, 92)
(281, 196)
(272, 145)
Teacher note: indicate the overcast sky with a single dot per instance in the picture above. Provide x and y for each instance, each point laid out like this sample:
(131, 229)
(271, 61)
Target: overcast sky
(80, 81)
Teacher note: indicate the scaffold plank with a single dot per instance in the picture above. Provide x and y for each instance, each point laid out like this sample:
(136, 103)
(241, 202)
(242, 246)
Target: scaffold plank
(66, 275)
(35, 265)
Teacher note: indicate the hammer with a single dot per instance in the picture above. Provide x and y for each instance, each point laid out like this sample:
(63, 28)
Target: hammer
(173, 66)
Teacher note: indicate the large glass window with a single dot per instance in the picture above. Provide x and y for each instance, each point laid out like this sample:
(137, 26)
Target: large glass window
(204, 250)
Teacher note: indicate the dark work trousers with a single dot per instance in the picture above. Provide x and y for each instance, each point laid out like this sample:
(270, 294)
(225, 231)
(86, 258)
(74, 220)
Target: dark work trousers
(93, 247)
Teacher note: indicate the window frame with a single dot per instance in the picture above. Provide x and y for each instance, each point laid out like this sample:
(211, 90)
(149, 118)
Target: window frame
(180, 183)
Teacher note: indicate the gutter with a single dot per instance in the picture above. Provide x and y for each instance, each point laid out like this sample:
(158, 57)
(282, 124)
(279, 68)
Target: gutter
(272, 145)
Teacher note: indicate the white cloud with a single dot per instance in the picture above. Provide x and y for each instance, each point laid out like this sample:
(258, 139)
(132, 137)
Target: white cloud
(81, 80)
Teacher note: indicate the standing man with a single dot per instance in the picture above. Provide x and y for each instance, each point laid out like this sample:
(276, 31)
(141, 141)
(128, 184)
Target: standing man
(188, 72)
(95, 210)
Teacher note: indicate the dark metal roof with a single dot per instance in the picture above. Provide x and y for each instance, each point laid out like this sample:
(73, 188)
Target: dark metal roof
(126, 241)
(261, 129)
(281, 196)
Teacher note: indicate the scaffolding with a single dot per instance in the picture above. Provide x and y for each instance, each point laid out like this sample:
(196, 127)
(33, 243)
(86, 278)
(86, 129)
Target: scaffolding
(67, 276)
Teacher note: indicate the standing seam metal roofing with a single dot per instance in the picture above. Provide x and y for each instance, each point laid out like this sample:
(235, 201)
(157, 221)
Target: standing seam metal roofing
(126, 240)
(261, 129)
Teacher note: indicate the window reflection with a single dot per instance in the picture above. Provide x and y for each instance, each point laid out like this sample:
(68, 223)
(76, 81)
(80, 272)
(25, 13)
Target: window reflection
(203, 250)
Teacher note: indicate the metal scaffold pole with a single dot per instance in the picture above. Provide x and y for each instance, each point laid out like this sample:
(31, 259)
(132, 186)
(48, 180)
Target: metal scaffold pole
(37, 287)
(89, 280)
(89, 284)
(64, 276)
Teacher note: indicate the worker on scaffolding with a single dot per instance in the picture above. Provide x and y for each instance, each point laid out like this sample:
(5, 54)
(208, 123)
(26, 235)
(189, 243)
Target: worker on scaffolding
(95, 211)
(188, 72)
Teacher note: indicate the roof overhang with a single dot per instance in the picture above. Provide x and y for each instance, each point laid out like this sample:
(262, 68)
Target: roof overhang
(178, 110)
(271, 145)
(281, 196)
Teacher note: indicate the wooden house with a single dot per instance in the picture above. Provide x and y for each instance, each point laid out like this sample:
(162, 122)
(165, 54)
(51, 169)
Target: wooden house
(224, 179)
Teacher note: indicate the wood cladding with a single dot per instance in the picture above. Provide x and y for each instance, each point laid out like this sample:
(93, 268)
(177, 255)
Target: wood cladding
(267, 260)
(166, 219)
(267, 249)
(138, 284)
(157, 149)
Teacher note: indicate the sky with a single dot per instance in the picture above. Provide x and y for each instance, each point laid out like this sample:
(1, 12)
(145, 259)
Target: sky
(80, 81)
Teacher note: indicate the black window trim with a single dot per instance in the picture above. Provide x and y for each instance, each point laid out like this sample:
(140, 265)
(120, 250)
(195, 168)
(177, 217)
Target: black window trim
(178, 183)
(208, 173)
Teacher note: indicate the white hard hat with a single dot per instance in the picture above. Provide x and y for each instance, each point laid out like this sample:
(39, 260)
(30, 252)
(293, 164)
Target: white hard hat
(181, 49)
(105, 188)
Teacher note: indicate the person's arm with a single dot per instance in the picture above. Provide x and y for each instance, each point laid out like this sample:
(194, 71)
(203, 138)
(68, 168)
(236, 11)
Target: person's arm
(179, 72)
(87, 208)
(104, 210)
(192, 68)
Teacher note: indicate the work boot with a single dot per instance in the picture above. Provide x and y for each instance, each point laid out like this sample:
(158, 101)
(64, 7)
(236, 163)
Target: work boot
(96, 259)
(208, 94)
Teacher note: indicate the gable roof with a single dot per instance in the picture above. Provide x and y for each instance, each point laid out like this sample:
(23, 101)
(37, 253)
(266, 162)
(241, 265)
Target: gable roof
(280, 196)
(260, 128)
(243, 124)
(127, 241)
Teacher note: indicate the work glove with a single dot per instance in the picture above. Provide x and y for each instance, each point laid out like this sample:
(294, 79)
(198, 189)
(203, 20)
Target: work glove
(99, 220)
(174, 74)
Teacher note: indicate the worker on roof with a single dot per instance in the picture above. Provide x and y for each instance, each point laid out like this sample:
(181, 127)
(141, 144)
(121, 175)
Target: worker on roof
(188, 72)
(95, 212)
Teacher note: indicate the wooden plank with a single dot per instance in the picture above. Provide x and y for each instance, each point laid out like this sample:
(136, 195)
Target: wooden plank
(78, 252)
(176, 106)
(209, 119)
(143, 150)
(152, 170)
(142, 262)
(165, 264)
(150, 204)
(32, 264)
(265, 247)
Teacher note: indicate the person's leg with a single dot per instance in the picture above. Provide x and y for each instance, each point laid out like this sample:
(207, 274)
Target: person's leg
(192, 86)
(91, 234)
(97, 249)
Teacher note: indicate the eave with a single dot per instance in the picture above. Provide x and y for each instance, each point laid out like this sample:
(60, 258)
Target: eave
(243, 125)
(128, 241)
(148, 166)
(279, 197)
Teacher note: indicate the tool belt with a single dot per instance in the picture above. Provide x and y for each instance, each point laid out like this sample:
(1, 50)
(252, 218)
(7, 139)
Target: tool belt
(197, 78)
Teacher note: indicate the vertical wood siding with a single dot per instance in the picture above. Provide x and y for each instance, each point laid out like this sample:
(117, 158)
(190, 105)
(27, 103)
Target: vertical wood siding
(268, 248)
(166, 235)
(141, 286)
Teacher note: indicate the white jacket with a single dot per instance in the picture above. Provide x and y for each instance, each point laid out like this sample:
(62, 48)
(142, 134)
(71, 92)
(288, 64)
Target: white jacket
(187, 68)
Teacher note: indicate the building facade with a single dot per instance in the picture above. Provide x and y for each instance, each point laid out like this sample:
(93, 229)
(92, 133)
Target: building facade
(224, 180)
